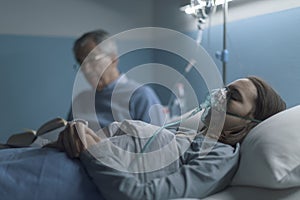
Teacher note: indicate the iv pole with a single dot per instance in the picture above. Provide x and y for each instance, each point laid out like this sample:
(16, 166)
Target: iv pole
(223, 56)
(225, 51)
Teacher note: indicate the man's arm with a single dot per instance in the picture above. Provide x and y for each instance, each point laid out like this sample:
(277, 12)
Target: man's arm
(146, 106)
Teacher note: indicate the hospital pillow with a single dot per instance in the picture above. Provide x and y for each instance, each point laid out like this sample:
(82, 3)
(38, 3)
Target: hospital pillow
(270, 154)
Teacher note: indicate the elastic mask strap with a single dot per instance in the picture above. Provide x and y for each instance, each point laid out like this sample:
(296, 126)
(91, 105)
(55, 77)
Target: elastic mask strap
(245, 118)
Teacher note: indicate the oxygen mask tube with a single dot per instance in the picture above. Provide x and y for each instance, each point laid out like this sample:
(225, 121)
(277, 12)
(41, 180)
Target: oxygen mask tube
(216, 100)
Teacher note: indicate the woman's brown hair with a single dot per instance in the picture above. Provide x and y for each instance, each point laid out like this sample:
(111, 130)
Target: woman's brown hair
(268, 101)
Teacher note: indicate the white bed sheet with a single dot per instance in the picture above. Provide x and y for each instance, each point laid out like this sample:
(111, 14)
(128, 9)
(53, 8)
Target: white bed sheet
(250, 193)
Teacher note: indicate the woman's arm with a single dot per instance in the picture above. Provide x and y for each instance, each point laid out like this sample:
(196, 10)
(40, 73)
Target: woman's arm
(197, 178)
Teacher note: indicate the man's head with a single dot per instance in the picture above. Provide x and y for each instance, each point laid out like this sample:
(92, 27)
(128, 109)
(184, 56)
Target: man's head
(97, 55)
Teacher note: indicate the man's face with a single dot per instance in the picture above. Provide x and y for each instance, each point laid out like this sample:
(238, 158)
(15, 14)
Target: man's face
(93, 64)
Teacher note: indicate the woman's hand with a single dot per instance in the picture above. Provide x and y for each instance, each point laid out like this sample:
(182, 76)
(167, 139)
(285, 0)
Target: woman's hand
(75, 138)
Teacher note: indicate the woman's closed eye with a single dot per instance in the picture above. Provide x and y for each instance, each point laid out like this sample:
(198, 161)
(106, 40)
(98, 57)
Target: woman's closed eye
(235, 95)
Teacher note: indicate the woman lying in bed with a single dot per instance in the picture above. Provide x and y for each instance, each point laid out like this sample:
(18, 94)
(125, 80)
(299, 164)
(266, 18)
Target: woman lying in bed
(131, 163)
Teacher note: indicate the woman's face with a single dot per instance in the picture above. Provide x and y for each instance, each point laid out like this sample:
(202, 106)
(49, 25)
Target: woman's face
(241, 102)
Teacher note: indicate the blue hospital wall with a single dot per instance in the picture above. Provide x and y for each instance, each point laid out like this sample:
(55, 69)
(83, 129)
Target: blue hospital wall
(36, 81)
(193, 77)
(266, 46)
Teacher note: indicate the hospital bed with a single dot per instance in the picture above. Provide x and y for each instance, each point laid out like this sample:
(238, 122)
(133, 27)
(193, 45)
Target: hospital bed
(269, 167)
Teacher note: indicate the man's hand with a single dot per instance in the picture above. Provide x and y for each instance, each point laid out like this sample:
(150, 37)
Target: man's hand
(75, 138)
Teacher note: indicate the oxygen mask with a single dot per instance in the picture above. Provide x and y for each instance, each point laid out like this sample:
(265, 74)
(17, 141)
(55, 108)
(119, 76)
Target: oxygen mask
(215, 101)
